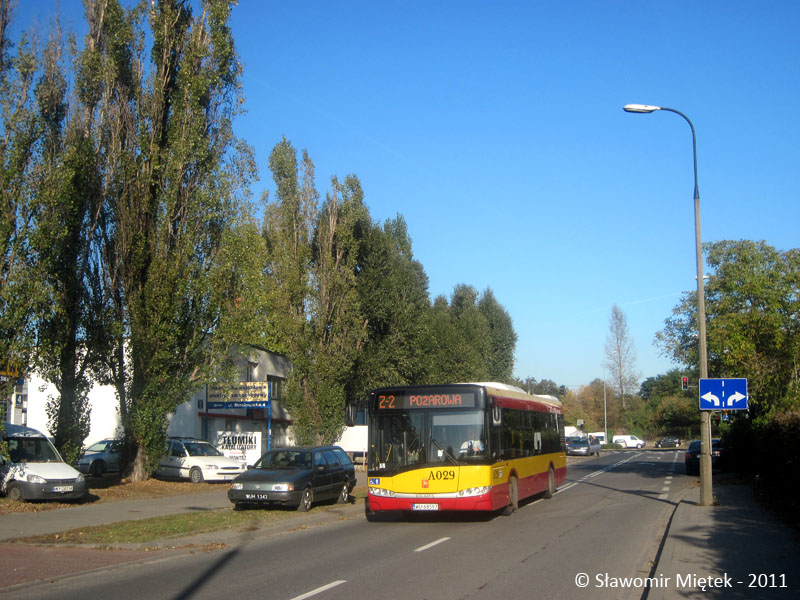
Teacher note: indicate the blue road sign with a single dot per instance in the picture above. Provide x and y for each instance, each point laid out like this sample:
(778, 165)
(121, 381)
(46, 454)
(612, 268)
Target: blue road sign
(723, 394)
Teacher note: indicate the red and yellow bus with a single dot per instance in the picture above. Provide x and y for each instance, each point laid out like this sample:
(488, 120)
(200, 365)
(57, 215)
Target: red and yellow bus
(462, 447)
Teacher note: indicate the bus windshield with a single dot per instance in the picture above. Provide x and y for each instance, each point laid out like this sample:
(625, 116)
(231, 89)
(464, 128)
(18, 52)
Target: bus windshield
(415, 438)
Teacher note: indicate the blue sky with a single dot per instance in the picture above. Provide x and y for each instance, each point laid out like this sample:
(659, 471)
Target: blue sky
(497, 131)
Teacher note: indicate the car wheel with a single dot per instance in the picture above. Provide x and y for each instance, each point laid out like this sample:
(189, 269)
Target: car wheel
(97, 469)
(344, 495)
(551, 484)
(196, 475)
(639, 446)
(513, 496)
(306, 500)
(14, 492)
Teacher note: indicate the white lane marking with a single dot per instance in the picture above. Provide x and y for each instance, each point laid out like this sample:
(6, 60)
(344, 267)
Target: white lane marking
(319, 590)
(431, 545)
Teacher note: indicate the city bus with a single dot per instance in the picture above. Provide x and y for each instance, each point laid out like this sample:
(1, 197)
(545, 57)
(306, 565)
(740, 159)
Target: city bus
(462, 447)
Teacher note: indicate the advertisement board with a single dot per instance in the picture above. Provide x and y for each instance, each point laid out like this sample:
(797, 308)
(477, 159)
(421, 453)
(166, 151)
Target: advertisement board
(240, 394)
(242, 445)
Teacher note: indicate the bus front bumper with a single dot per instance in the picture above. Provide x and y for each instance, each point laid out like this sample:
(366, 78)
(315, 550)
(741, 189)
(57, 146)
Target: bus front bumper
(434, 502)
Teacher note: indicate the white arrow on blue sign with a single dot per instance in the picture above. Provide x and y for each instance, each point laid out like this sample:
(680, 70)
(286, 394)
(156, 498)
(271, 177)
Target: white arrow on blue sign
(723, 394)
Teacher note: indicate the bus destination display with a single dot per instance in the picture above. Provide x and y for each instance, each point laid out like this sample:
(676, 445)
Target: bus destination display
(402, 401)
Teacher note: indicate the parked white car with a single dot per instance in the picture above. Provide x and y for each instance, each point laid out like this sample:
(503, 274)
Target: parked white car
(629, 441)
(198, 461)
(34, 470)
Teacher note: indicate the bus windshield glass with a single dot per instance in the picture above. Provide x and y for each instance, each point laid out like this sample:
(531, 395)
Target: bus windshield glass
(414, 438)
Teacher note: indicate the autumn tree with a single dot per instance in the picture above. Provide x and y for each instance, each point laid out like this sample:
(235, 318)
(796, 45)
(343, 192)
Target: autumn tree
(753, 328)
(620, 354)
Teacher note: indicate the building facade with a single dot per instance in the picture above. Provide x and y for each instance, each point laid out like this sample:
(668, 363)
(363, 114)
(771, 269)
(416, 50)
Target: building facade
(203, 416)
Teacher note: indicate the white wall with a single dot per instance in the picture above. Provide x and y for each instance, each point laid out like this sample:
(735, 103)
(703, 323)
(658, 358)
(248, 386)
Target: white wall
(103, 406)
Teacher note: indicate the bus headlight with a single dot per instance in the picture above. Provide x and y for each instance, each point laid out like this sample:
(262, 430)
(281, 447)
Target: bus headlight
(381, 492)
(476, 491)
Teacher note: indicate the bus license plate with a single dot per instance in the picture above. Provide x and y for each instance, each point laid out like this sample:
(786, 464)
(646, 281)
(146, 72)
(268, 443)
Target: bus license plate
(426, 506)
(62, 488)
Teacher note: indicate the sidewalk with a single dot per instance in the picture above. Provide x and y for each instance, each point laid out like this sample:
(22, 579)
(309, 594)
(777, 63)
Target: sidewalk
(740, 549)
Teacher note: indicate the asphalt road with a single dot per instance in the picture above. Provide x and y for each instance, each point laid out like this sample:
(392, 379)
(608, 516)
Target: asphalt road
(606, 522)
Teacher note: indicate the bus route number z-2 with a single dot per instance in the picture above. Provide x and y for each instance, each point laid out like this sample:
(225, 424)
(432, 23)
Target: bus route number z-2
(385, 402)
(442, 475)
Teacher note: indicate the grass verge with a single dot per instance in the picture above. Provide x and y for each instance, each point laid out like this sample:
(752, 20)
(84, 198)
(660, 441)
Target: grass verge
(158, 528)
(143, 531)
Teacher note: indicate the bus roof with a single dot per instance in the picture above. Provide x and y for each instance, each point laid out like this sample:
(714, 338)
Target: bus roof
(501, 391)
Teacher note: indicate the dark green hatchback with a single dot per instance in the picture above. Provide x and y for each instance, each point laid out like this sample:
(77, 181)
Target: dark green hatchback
(295, 476)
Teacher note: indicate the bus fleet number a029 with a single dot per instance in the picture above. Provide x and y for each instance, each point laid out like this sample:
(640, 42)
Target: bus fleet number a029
(442, 475)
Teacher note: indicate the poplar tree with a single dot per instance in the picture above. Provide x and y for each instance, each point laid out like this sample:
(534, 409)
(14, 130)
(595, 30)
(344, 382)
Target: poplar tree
(502, 338)
(21, 288)
(67, 203)
(393, 295)
(174, 218)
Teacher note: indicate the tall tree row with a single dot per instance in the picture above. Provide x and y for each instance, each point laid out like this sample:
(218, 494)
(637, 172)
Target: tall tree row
(131, 256)
(349, 304)
(135, 215)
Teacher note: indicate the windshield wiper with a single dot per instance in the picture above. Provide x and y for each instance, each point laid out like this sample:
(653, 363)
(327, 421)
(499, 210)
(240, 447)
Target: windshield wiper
(445, 452)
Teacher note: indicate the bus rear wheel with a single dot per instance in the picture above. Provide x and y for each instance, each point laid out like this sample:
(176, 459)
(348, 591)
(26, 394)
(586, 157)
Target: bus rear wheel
(513, 496)
(551, 484)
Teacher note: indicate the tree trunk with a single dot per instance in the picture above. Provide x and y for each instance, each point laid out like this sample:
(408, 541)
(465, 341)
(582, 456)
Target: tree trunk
(139, 471)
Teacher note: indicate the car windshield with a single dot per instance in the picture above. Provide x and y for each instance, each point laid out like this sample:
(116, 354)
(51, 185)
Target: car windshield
(99, 447)
(285, 459)
(201, 449)
(32, 450)
(580, 442)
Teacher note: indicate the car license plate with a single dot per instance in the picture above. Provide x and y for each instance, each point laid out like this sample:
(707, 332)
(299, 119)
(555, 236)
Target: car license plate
(256, 497)
(62, 488)
(426, 506)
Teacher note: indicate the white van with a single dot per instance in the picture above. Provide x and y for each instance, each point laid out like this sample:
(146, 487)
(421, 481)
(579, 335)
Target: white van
(33, 469)
(629, 441)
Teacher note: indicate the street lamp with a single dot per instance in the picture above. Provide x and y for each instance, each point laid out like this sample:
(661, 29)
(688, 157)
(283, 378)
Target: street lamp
(705, 430)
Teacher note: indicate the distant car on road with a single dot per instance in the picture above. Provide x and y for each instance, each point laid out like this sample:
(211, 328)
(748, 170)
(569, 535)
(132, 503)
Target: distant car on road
(583, 447)
(100, 457)
(692, 457)
(198, 461)
(629, 441)
(668, 442)
(296, 476)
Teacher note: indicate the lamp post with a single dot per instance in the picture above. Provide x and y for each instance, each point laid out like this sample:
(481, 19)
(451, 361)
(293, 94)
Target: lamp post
(706, 497)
